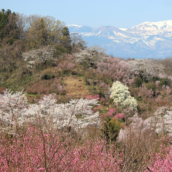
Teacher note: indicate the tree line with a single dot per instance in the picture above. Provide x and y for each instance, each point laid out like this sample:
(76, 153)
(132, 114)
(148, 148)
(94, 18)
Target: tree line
(19, 33)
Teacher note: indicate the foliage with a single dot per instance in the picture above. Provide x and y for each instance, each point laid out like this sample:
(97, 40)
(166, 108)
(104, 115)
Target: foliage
(138, 81)
(151, 86)
(9, 31)
(60, 49)
(48, 74)
(110, 129)
(65, 40)
(165, 81)
(44, 31)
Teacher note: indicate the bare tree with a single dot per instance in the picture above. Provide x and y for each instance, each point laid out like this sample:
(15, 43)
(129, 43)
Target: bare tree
(77, 42)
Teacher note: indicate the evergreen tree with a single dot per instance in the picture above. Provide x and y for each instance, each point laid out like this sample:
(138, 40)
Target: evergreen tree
(8, 27)
(65, 40)
(42, 32)
(37, 35)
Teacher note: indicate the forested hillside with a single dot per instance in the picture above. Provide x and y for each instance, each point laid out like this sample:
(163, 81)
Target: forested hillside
(68, 107)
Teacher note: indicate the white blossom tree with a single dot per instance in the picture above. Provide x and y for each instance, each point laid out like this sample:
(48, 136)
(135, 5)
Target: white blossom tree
(121, 96)
(77, 113)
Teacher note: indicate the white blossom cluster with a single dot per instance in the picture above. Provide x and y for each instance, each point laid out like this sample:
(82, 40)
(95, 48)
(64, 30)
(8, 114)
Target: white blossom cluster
(89, 55)
(121, 96)
(144, 67)
(137, 127)
(12, 105)
(159, 123)
(77, 113)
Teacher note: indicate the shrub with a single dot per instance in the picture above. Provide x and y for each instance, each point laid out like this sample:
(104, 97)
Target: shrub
(38, 66)
(155, 78)
(89, 74)
(144, 92)
(24, 71)
(110, 129)
(121, 96)
(48, 74)
(60, 49)
(111, 112)
(138, 81)
(151, 85)
(165, 81)
(134, 92)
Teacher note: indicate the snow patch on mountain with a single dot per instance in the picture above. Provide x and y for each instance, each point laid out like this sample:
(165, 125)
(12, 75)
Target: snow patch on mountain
(152, 26)
(148, 39)
(74, 25)
(120, 34)
(123, 29)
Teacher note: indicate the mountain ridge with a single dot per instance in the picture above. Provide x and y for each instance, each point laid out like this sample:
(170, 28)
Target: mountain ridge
(145, 40)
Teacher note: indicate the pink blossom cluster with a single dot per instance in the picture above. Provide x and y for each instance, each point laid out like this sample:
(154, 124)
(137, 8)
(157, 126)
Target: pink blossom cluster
(66, 65)
(69, 57)
(36, 150)
(113, 68)
(144, 91)
(162, 161)
(119, 116)
(157, 83)
(93, 97)
(111, 112)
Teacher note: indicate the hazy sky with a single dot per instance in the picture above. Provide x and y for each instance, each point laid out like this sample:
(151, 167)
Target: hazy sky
(95, 13)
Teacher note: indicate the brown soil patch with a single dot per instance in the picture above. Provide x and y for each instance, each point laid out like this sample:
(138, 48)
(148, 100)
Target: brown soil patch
(75, 87)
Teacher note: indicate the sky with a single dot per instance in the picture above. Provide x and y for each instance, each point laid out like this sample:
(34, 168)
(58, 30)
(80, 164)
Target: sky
(95, 13)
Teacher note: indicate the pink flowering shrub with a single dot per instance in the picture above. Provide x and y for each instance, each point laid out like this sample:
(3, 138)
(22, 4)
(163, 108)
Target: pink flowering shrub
(93, 97)
(161, 161)
(113, 68)
(65, 67)
(111, 112)
(36, 150)
(143, 91)
(119, 116)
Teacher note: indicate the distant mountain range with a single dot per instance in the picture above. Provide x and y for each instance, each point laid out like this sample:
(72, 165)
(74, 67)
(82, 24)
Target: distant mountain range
(146, 40)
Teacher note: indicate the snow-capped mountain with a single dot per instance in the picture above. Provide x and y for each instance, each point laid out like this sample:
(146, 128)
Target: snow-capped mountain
(154, 26)
(146, 40)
